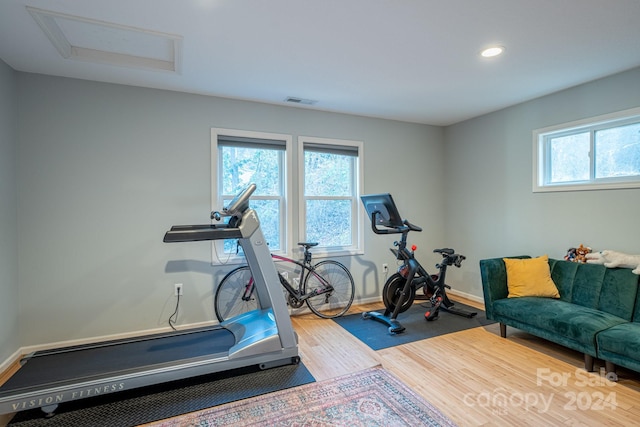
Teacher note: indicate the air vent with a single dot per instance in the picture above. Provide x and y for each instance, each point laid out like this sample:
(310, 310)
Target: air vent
(296, 100)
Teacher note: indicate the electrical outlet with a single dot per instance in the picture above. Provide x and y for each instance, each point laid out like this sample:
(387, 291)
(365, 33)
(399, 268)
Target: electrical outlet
(178, 289)
(385, 268)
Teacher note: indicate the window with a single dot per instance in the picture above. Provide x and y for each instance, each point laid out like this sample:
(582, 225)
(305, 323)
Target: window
(332, 179)
(326, 208)
(242, 158)
(597, 153)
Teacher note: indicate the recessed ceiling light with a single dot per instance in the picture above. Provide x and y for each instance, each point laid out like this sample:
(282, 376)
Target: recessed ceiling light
(492, 51)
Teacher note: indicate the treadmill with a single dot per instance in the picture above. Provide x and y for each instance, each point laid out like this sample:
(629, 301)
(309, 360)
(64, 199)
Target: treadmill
(262, 337)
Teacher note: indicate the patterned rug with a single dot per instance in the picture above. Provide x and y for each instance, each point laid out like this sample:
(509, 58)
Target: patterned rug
(369, 398)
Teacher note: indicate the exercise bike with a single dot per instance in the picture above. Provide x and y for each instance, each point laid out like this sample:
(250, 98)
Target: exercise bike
(400, 290)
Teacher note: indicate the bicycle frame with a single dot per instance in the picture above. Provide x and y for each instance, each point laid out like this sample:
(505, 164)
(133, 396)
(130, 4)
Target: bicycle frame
(325, 286)
(306, 269)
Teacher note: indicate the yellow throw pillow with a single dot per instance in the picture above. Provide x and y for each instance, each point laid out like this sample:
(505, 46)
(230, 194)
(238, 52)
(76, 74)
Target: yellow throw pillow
(530, 278)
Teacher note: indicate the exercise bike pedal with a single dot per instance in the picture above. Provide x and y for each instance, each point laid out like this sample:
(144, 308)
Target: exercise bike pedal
(433, 313)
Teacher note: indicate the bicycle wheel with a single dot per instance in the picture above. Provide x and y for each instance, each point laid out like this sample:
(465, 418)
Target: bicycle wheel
(235, 294)
(335, 302)
(393, 289)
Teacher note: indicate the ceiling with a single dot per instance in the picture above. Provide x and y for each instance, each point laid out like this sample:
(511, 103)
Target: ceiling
(409, 60)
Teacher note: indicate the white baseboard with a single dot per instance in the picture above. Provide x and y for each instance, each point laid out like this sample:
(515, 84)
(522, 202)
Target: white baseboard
(452, 292)
(10, 361)
(369, 300)
(466, 295)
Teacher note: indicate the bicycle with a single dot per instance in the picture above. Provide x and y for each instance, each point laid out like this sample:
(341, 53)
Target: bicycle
(326, 287)
(399, 291)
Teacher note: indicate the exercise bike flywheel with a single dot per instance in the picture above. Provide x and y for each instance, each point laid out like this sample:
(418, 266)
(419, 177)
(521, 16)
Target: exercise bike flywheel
(392, 292)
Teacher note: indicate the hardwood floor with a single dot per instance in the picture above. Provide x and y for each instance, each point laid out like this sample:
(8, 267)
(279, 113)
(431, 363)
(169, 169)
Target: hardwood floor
(478, 378)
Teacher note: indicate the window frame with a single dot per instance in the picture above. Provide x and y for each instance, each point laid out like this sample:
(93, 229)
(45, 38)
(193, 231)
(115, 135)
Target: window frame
(541, 165)
(218, 257)
(357, 211)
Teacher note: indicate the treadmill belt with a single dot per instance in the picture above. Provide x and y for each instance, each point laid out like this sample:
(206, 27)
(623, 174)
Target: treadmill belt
(118, 357)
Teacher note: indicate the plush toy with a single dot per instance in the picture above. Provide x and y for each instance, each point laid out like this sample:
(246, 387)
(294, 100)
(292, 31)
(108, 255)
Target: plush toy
(577, 254)
(581, 254)
(613, 259)
(571, 255)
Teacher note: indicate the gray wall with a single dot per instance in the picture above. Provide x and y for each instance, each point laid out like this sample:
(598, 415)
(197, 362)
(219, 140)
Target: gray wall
(9, 332)
(491, 209)
(104, 170)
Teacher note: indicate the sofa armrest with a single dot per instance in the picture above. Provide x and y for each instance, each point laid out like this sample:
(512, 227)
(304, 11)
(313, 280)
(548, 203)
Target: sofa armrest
(494, 282)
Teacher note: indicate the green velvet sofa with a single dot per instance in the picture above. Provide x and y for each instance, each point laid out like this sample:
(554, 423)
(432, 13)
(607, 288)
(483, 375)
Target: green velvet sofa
(598, 312)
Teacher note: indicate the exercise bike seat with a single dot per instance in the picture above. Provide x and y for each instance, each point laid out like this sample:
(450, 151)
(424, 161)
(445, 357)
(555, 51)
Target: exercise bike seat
(443, 251)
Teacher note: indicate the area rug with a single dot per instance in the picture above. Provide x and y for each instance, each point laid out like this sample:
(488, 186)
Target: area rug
(376, 335)
(370, 398)
(149, 404)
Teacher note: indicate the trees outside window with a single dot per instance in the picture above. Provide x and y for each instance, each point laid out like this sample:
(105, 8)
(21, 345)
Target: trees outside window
(328, 177)
(597, 153)
(331, 192)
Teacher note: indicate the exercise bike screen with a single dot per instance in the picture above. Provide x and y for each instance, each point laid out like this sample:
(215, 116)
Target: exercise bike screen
(383, 204)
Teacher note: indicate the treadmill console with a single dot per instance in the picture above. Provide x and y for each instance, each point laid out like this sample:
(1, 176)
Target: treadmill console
(230, 230)
(240, 203)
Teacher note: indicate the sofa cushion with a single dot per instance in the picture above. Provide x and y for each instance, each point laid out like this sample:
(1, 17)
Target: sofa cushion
(619, 293)
(613, 290)
(530, 278)
(569, 321)
(587, 285)
(562, 274)
(623, 339)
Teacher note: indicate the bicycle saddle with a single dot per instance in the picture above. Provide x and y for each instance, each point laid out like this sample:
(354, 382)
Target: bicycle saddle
(309, 245)
(444, 251)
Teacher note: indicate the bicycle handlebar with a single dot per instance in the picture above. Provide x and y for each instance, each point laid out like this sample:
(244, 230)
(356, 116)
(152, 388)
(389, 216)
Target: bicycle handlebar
(412, 227)
(453, 259)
